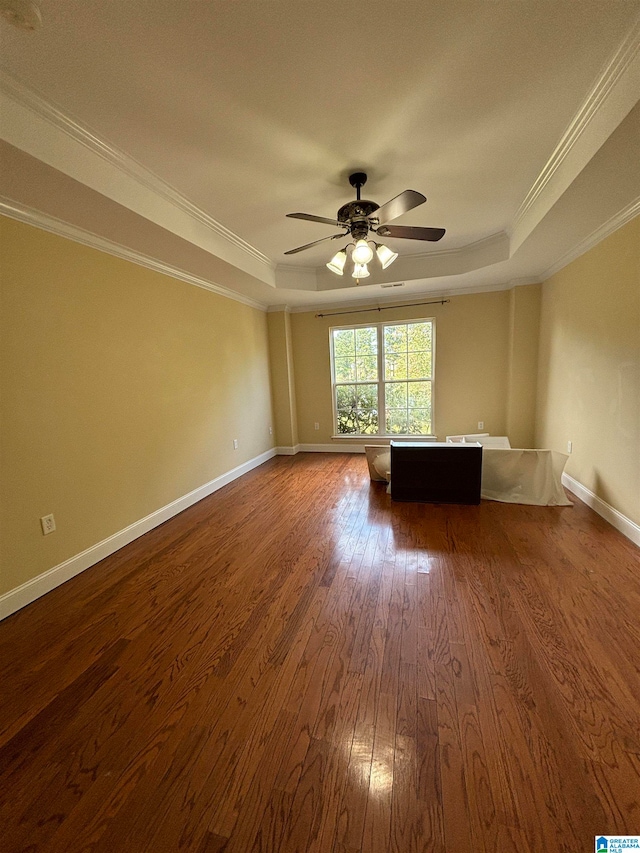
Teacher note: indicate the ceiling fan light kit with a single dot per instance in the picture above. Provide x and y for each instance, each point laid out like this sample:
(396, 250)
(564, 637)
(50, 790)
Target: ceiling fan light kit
(386, 256)
(360, 271)
(361, 216)
(361, 255)
(337, 262)
(362, 252)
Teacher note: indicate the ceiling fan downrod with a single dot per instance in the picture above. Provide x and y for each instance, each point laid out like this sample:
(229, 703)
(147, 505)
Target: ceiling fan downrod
(357, 180)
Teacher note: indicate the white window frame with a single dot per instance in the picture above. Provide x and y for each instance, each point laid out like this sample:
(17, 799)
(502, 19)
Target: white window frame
(381, 381)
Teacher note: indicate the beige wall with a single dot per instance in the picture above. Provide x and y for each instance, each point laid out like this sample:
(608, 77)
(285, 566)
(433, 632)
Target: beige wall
(282, 379)
(524, 329)
(473, 348)
(589, 369)
(121, 391)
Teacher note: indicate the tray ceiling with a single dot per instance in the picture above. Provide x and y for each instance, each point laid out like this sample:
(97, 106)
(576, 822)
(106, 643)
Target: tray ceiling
(202, 123)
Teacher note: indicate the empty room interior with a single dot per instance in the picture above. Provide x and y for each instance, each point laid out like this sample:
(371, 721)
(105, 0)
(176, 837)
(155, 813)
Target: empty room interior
(319, 426)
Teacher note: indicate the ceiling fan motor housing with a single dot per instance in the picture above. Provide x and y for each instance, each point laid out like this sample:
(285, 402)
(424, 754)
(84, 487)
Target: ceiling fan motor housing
(356, 213)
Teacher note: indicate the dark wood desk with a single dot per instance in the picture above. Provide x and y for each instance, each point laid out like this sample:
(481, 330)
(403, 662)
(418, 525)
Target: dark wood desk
(436, 472)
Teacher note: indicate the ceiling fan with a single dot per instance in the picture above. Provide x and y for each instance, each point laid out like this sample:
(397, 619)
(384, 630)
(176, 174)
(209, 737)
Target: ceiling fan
(357, 218)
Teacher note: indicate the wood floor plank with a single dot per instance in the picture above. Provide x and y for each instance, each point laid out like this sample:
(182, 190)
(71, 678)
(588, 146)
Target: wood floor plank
(269, 838)
(428, 777)
(453, 771)
(377, 826)
(617, 786)
(298, 663)
(484, 816)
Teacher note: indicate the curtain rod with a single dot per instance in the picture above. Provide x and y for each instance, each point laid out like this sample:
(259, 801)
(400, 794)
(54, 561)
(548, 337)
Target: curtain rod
(384, 308)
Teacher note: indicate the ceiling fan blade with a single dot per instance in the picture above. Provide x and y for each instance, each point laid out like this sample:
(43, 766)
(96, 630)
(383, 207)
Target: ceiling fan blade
(315, 243)
(399, 205)
(411, 232)
(311, 218)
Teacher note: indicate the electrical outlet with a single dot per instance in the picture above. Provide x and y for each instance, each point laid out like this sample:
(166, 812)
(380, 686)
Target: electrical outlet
(480, 424)
(316, 426)
(569, 446)
(48, 523)
(235, 443)
(270, 430)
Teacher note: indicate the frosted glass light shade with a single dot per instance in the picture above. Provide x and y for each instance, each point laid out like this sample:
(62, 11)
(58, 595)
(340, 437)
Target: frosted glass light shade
(337, 262)
(362, 253)
(386, 256)
(360, 271)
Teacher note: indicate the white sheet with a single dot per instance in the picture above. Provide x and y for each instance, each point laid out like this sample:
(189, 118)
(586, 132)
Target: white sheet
(461, 439)
(484, 439)
(524, 476)
(379, 461)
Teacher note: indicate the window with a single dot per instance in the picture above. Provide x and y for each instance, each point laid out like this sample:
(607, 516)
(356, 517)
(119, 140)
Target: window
(382, 378)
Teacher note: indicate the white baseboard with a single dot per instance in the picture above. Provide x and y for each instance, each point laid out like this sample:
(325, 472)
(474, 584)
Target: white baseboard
(319, 448)
(331, 448)
(288, 451)
(22, 595)
(627, 527)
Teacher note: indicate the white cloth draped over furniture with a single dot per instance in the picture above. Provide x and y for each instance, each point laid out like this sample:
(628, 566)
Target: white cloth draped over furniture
(379, 462)
(509, 475)
(482, 438)
(525, 476)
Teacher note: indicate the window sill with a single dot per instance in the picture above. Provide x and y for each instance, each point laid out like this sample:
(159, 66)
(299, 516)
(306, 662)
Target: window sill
(374, 438)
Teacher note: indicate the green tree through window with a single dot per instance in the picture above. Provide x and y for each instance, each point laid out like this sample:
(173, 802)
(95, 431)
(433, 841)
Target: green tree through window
(383, 378)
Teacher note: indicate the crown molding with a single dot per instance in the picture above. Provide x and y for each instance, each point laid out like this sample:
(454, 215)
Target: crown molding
(618, 76)
(621, 218)
(28, 99)
(28, 215)
(279, 309)
(441, 293)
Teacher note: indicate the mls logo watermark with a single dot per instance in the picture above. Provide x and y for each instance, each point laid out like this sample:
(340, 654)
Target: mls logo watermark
(616, 843)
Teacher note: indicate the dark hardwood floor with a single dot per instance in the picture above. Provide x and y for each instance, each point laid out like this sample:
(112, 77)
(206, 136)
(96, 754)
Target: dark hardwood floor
(298, 664)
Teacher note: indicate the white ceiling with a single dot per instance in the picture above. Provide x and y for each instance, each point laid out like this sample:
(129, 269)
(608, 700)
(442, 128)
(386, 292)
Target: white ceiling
(180, 134)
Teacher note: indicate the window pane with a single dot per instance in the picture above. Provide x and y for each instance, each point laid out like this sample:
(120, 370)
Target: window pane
(395, 338)
(419, 336)
(396, 421)
(419, 365)
(419, 395)
(347, 422)
(395, 366)
(346, 396)
(420, 421)
(346, 405)
(344, 342)
(367, 366)
(367, 341)
(367, 396)
(367, 408)
(345, 369)
(368, 422)
(396, 395)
